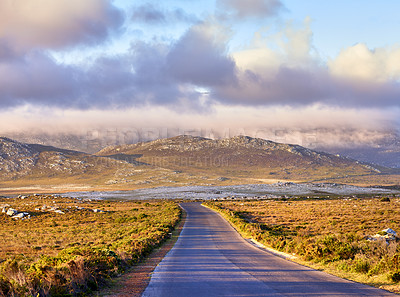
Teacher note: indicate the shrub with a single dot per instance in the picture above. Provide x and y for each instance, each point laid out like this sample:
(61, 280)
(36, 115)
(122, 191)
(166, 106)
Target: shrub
(361, 265)
(395, 276)
(92, 248)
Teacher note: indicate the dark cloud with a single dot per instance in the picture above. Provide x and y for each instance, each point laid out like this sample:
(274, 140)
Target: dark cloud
(38, 79)
(151, 14)
(250, 8)
(302, 87)
(163, 74)
(135, 79)
(200, 58)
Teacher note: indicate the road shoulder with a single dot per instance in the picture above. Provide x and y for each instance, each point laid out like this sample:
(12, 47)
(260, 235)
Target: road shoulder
(136, 279)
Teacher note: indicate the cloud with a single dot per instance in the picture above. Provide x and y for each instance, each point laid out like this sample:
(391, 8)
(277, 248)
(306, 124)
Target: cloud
(150, 14)
(197, 71)
(137, 78)
(56, 24)
(310, 126)
(241, 9)
(358, 62)
(38, 79)
(289, 72)
(200, 57)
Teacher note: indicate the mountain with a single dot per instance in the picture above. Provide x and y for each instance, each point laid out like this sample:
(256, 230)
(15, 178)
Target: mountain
(39, 168)
(20, 159)
(241, 157)
(385, 151)
(366, 147)
(177, 161)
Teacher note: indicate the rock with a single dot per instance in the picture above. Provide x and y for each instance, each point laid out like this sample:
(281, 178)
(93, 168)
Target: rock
(386, 234)
(390, 231)
(21, 215)
(11, 212)
(98, 210)
(59, 211)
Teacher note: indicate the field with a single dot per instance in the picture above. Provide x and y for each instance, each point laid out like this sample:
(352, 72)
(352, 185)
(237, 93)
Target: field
(71, 247)
(334, 235)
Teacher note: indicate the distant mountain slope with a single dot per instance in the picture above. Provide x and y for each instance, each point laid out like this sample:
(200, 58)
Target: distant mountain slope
(33, 167)
(385, 152)
(33, 161)
(20, 159)
(241, 156)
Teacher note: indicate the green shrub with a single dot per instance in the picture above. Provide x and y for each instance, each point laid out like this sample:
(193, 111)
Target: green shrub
(361, 265)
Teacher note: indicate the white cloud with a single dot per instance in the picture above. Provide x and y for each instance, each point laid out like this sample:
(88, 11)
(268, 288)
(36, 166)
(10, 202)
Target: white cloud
(361, 63)
(305, 125)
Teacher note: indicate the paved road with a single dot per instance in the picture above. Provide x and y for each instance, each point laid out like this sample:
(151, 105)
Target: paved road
(211, 259)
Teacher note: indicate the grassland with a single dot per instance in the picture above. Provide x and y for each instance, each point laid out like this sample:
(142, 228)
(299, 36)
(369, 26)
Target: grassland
(333, 235)
(71, 254)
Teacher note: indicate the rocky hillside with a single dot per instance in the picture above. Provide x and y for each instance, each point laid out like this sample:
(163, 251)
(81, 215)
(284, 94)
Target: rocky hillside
(177, 161)
(21, 160)
(34, 167)
(241, 156)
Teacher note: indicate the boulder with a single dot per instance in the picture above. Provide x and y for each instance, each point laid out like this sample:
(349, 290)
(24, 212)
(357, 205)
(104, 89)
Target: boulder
(98, 210)
(386, 234)
(11, 212)
(21, 215)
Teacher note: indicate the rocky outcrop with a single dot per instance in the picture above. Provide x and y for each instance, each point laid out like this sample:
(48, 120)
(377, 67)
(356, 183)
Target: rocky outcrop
(386, 234)
(15, 214)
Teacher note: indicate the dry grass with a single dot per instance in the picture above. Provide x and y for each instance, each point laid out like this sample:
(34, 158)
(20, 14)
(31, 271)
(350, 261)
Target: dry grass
(328, 234)
(73, 253)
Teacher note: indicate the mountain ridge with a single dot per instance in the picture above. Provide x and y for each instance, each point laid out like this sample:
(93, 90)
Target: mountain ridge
(177, 161)
(239, 152)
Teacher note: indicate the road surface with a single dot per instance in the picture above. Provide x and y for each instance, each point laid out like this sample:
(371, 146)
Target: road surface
(211, 259)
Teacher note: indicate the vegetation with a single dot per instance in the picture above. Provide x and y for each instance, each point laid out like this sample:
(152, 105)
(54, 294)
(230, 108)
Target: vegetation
(71, 254)
(335, 235)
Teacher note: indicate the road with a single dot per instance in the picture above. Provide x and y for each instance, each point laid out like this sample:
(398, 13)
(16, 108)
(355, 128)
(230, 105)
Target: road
(211, 259)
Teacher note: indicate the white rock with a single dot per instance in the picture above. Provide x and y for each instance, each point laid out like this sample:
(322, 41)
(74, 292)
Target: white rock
(22, 215)
(11, 212)
(98, 210)
(59, 211)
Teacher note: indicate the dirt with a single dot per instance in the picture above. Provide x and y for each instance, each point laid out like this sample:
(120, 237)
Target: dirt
(134, 282)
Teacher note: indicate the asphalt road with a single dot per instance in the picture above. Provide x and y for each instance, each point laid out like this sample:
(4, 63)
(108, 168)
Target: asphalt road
(211, 259)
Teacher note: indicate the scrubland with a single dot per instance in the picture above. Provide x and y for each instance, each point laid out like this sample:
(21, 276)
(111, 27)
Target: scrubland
(74, 253)
(335, 235)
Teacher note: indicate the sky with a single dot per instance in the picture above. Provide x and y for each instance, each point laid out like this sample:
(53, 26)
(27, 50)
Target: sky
(322, 70)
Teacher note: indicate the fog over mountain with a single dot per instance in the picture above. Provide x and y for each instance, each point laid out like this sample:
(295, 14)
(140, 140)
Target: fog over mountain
(376, 147)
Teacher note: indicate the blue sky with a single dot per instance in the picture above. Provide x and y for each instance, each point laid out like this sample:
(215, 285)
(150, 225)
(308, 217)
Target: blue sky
(339, 24)
(217, 65)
